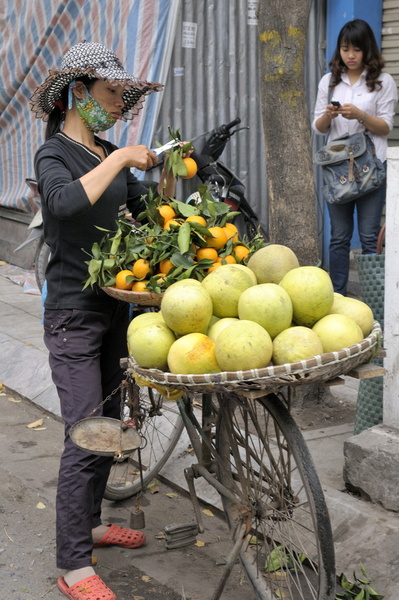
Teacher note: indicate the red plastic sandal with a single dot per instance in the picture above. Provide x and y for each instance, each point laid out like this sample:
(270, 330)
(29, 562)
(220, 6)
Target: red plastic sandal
(91, 588)
(121, 536)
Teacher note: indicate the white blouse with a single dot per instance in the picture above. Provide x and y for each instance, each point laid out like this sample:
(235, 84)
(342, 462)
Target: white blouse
(381, 103)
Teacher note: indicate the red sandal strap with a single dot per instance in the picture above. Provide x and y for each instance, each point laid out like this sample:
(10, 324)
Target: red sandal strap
(121, 536)
(90, 588)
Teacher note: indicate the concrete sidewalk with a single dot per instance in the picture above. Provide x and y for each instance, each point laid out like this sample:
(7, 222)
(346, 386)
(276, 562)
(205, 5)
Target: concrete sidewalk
(363, 532)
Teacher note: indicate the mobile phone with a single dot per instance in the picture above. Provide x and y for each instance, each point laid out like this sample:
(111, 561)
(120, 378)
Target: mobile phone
(336, 103)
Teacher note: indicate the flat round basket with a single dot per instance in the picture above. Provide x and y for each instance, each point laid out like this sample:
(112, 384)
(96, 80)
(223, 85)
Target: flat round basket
(141, 298)
(313, 370)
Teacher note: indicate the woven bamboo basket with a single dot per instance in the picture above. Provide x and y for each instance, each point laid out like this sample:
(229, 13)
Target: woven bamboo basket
(140, 298)
(317, 369)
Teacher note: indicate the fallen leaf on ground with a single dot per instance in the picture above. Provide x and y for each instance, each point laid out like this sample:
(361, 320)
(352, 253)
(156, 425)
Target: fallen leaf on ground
(208, 512)
(146, 578)
(153, 487)
(11, 399)
(39, 428)
(37, 423)
(199, 544)
(40, 505)
(94, 560)
(172, 495)
(138, 597)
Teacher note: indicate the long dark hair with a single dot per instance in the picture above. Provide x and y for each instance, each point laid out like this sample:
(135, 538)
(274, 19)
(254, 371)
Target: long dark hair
(359, 34)
(57, 115)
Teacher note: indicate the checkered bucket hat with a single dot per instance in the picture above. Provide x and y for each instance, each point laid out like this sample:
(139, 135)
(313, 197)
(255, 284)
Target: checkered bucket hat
(98, 62)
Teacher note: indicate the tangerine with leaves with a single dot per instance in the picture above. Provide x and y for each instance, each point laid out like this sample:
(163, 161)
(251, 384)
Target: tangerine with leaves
(170, 223)
(166, 211)
(231, 231)
(219, 237)
(229, 260)
(209, 253)
(240, 252)
(141, 268)
(120, 280)
(140, 286)
(196, 219)
(218, 263)
(191, 166)
(165, 266)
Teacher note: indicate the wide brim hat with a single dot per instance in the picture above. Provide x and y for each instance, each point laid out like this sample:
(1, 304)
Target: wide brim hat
(89, 59)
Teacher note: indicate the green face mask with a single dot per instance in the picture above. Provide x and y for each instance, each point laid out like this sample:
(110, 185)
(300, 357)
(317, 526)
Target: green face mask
(93, 115)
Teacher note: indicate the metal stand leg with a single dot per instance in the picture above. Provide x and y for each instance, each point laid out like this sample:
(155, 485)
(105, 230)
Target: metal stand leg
(230, 562)
(189, 475)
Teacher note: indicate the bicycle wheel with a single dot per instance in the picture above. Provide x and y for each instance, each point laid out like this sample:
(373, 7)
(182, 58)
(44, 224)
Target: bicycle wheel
(288, 552)
(160, 426)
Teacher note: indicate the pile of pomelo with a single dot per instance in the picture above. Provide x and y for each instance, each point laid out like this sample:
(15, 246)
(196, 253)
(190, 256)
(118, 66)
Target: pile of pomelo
(270, 312)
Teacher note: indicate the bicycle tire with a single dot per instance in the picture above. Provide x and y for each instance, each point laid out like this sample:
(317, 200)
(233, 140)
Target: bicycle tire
(265, 462)
(42, 257)
(160, 431)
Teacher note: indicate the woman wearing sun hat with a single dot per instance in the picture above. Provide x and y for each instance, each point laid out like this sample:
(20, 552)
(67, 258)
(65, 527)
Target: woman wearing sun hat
(85, 184)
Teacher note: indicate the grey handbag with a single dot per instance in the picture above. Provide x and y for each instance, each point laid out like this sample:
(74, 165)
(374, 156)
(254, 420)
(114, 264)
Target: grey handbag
(351, 168)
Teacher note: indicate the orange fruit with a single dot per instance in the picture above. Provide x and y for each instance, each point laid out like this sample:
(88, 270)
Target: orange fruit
(191, 167)
(141, 268)
(240, 252)
(231, 231)
(120, 280)
(166, 265)
(140, 286)
(229, 260)
(168, 224)
(166, 211)
(216, 265)
(219, 237)
(196, 219)
(209, 253)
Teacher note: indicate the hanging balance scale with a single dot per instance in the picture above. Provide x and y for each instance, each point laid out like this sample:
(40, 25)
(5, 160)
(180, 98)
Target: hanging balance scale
(105, 436)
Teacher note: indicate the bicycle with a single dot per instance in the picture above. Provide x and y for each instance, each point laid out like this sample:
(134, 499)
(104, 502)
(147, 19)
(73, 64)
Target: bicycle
(249, 448)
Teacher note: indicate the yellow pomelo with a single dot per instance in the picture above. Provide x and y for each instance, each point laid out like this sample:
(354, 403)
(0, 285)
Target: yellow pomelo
(186, 308)
(337, 332)
(193, 353)
(220, 324)
(272, 262)
(183, 282)
(246, 270)
(311, 292)
(357, 310)
(225, 285)
(295, 344)
(144, 319)
(243, 345)
(267, 304)
(149, 345)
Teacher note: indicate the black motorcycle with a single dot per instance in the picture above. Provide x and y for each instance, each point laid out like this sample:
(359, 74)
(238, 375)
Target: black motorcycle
(223, 184)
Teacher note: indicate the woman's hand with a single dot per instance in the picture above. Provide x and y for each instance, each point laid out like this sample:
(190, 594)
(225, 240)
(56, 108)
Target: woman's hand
(350, 112)
(139, 157)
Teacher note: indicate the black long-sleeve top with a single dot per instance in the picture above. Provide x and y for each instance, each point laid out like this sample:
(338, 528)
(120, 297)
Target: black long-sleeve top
(70, 221)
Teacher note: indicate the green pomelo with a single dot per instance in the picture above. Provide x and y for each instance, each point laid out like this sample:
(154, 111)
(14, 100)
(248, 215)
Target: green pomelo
(186, 308)
(144, 319)
(357, 310)
(243, 345)
(337, 332)
(149, 345)
(193, 353)
(225, 285)
(267, 304)
(311, 292)
(182, 282)
(272, 262)
(220, 324)
(246, 270)
(295, 344)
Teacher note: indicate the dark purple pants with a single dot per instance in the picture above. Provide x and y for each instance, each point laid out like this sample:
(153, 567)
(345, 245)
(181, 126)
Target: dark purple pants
(85, 348)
